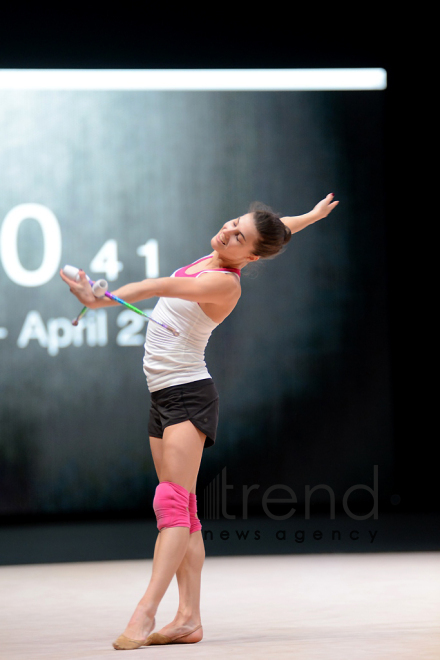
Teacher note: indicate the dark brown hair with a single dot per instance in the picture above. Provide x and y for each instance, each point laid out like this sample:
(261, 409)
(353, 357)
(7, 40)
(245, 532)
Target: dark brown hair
(273, 233)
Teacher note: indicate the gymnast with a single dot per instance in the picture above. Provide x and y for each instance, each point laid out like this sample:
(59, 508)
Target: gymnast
(184, 401)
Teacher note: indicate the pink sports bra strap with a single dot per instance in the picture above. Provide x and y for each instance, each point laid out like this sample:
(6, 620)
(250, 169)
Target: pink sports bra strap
(181, 272)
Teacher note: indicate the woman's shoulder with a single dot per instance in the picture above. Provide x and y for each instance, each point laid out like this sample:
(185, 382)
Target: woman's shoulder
(229, 287)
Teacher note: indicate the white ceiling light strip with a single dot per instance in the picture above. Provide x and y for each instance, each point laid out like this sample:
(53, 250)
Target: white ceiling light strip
(194, 79)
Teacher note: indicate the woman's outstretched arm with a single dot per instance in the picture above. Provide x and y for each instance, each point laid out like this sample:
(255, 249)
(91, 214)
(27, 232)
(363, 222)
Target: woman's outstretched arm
(210, 288)
(321, 210)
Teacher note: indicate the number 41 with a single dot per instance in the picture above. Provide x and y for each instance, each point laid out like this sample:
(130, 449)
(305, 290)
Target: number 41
(106, 259)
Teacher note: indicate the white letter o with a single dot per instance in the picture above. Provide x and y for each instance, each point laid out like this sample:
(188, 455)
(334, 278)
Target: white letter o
(51, 240)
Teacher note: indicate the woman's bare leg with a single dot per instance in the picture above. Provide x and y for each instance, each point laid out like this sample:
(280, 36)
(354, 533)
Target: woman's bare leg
(189, 581)
(181, 457)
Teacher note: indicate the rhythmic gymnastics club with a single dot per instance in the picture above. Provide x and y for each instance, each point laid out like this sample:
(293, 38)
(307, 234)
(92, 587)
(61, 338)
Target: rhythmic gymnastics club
(99, 289)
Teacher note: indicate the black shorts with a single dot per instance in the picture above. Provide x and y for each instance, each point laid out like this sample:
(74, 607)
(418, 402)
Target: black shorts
(196, 401)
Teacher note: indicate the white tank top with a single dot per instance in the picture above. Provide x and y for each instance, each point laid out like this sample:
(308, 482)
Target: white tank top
(170, 360)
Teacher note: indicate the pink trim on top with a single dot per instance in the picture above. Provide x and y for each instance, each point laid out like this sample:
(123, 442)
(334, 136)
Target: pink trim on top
(181, 272)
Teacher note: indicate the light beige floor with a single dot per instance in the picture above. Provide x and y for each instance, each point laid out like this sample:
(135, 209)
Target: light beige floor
(310, 607)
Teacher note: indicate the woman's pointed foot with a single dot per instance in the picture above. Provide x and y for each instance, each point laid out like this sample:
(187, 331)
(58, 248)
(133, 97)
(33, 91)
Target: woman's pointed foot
(128, 642)
(124, 643)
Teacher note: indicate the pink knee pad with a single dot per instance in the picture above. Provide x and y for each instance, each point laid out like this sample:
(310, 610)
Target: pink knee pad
(170, 505)
(196, 525)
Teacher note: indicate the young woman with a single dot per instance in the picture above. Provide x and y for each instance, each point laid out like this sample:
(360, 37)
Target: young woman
(184, 401)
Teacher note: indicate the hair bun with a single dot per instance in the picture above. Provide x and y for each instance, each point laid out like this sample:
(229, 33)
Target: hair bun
(273, 233)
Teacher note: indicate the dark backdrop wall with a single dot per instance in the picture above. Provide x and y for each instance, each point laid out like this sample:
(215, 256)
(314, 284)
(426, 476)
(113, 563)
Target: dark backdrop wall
(137, 183)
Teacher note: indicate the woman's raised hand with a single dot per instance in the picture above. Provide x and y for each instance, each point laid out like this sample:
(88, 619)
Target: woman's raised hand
(325, 206)
(81, 289)
(321, 210)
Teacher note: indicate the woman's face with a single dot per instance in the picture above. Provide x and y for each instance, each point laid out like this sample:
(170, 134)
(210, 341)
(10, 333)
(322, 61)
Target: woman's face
(235, 241)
